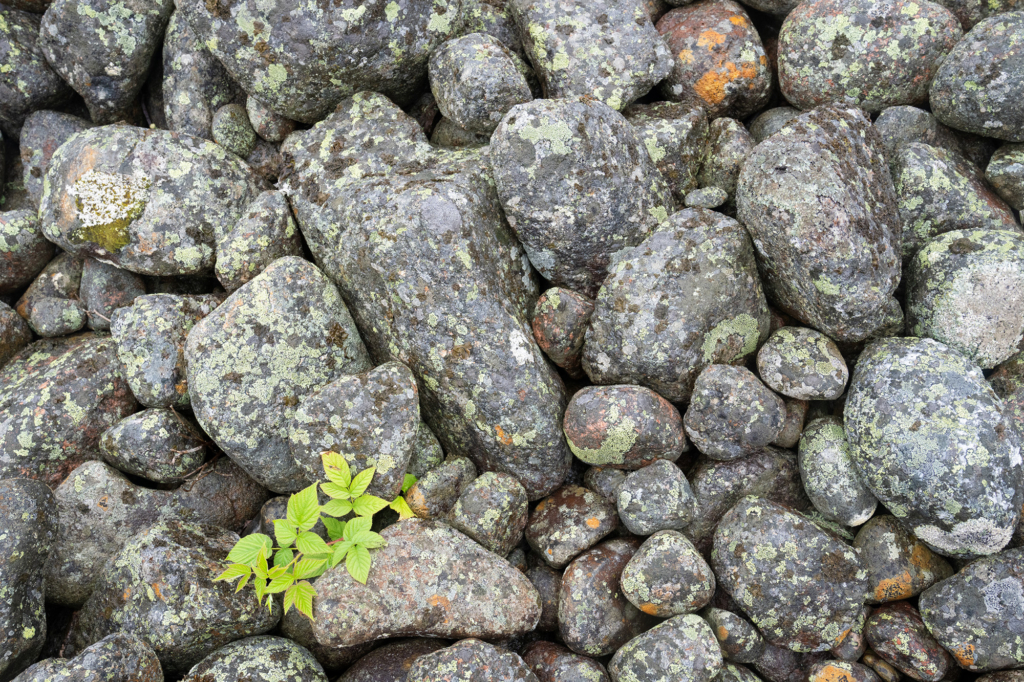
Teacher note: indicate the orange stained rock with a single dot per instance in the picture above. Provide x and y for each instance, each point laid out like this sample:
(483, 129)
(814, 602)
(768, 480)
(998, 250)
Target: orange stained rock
(723, 633)
(156, 589)
(711, 86)
(964, 655)
(649, 609)
(898, 587)
(710, 38)
(686, 56)
(831, 673)
(593, 522)
(540, 505)
(439, 600)
(502, 436)
(417, 503)
(738, 20)
(922, 557)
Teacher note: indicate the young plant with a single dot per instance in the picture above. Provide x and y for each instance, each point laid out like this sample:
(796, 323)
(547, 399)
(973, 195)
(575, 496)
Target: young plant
(302, 554)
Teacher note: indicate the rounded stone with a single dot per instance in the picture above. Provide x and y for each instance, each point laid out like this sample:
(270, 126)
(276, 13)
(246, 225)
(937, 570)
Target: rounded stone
(675, 135)
(51, 305)
(493, 511)
(771, 121)
(570, 521)
(739, 640)
(899, 565)
(157, 445)
(667, 576)
(548, 583)
(902, 125)
(392, 661)
(841, 671)
(120, 657)
(1005, 173)
(706, 197)
(560, 321)
(802, 363)
(265, 232)
(106, 288)
(231, 129)
(262, 657)
(829, 475)
(551, 662)
(732, 672)
(464, 660)
(439, 489)
(897, 634)
(681, 649)
(28, 82)
(24, 252)
(792, 428)
(268, 124)
(657, 497)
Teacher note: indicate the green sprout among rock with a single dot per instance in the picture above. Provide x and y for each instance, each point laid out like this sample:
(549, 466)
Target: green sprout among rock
(304, 555)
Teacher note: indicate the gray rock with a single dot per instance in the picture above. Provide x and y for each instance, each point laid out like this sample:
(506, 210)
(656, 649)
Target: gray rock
(493, 511)
(551, 662)
(802, 363)
(905, 124)
(796, 412)
(675, 136)
(30, 83)
(299, 629)
(448, 135)
(391, 662)
(105, 288)
(463, 661)
(24, 252)
(657, 497)
(548, 583)
(706, 197)
(569, 522)
(439, 489)
(605, 481)
(668, 577)
(157, 444)
(729, 145)
(261, 657)
(1005, 172)
(120, 657)
(739, 640)
(970, 12)
(15, 333)
(771, 121)
(899, 565)
(43, 133)
(829, 475)
(897, 634)
(682, 649)
(231, 129)
(426, 452)
(51, 304)
(269, 125)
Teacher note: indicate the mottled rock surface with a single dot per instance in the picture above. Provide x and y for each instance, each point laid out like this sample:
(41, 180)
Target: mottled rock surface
(265, 232)
(568, 522)
(24, 252)
(157, 445)
(682, 649)
(560, 322)
(258, 658)
(493, 511)
(675, 136)
(731, 413)
(899, 565)
(657, 497)
(667, 576)
(803, 364)
(829, 475)
(30, 83)
(119, 657)
(465, 661)
(1005, 172)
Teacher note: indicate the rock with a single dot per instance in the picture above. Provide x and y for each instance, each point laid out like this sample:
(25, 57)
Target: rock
(347, 612)
(364, 46)
(681, 649)
(548, 583)
(56, 397)
(475, 80)
(731, 413)
(739, 640)
(163, 218)
(251, 362)
(195, 83)
(829, 475)
(906, 124)
(668, 577)
(719, 61)
(938, 191)
(577, 187)
(269, 125)
(897, 634)
(777, 664)
(569, 522)
(623, 427)
(439, 489)
(231, 129)
(611, 51)
(51, 304)
(732, 672)
(965, 288)
(120, 657)
(150, 336)
(793, 426)
(554, 663)
(266, 232)
(261, 657)
(104, 289)
(834, 175)
(29, 84)
(604, 481)
(101, 510)
(559, 325)
(1005, 172)
(463, 661)
(802, 363)
(841, 670)
(675, 136)
(977, 615)
(28, 514)
(594, 616)
(921, 460)
(15, 333)
(974, 89)
(647, 307)
(970, 12)
(729, 145)
(43, 133)
(450, 136)
(883, 670)
(391, 662)
(493, 511)
(771, 121)
(426, 452)
(657, 497)
(157, 445)
(708, 197)
(899, 565)
(852, 646)
(802, 588)
(24, 252)
(827, 55)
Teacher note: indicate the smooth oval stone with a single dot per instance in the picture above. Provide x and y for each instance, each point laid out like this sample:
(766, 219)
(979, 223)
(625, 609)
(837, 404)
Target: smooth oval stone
(1005, 173)
(771, 121)
(15, 333)
(391, 662)
(802, 587)
(158, 445)
(977, 615)
(269, 125)
(657, 497)
(28, 82)
(551, 662)
(51, 305)
(624, 427)
(262, 657)
(825, 47)
(120, 657)
(792, 428)
(675, 136)
(427, 563)
(897, 634)
(231, 129)
(570, 521)
(559, 325)
(976, 89)
(732, 672)
(739, 640)
(829, 475)
(463, 661)
(439, 489)
(681, 649)
(802, 363)
(667, 576)
(841, 671)
(821, 210)
(266, 232)
(899, 565)
(493, 511)
(929, 439)
(24, 252)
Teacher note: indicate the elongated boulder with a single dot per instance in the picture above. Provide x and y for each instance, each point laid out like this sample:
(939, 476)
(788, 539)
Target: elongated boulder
(119, 657)
(28, 82)
(430, 580)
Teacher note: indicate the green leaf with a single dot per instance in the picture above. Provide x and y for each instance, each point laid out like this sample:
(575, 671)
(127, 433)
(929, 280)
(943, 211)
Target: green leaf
(337, 469)
(335, 491)
(248, 548)
(234, 571)
(285, 532)
(358, 563)
(368, 539)
(403, 509)
(241, 584)
(336, 508)
(289, 598)
(260, 569)
(283, 557)
(280, 584)
(361, 481)
(312, 544)
(340, 550)
(408, 481)
(309, 568)
(335, 528)
(304, 508)
(357, 524)
(304, 594)
(368, 505)
(261, 589)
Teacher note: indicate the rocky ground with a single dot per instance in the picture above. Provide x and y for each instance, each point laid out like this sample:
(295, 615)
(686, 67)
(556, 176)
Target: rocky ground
(699, 324)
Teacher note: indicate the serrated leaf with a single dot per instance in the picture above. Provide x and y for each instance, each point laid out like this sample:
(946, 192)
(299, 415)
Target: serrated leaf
(248, 548)
(335, 528)
(261, 589)
(368, 505)
(309, 568)
(304, 508)
(356, 525)
(335, 491)
(234, 571)
(241, 583)
(361, 481)
(260, 569)
(408, 481)
(289, 598)
(285, 532)
(280, 584)
(357, 561)
(304, 594)
(340, 550)
(369, 540)
(403, 509)
(336, 508)
(336, 468)
(312, 544)
(283, 558)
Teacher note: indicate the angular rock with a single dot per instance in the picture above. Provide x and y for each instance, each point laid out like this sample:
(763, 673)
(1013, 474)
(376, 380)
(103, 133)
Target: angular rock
(104, 289)
(668, 577)
(426, 452)
(802, 363)
(439, 489)
(905, 124)
(899, 565)
(729, 145)
(675, 136)
(262, 657)
(829, 475)
(682, 649)
(269, 125)
(731, 413)
(24, 252)
(554, 663)
(493, 511)
(266, 232)
(897, 634)
(465, 660)
(157, 445)
(43, 133)
(51, 304)
(792, 428)
(739, 640)
(392, 661)
(1005, 172)
(570, 521)
(708, 197)
(559, 325)
(120, 657)
(657, 497)
(15, 333)
(604, 481)
(30, 83)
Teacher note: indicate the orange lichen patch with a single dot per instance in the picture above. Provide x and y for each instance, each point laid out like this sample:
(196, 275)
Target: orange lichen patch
(738, 20)
(156, 590)
(686, 56)
(898, 587)
(831, 673)
(104, 503)
(502, 436)
(593, 522)
(649, 609)
(417, 502)
(540, 505)
(127, 594)
(842, 636)
(723, 633)
(922, 557)
(711, 86)
(764, 60)
(964, 655)
(710, 38)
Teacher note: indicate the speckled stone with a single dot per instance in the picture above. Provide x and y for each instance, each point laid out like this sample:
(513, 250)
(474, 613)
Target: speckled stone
(1003, 676)
(604, 481)
(899, 565)
(975, 90)
(826, 227)
(251, 362)
(852, 646)
(551, 662)
(731, 413)
(100, 509)
(719, 62)
(425, 582)
(577, 187)
(448, 135)
(682, 649)
(439, 489)
(776, 664)
(268, 124)
(970, 12)
(729, 145)
(733, 672)
(623, 427)
(594, 616)
(266, 161)
(43, 133)
(793, 426)
(231, 129)
(493, 511)
(803, 588)
(706, 197)
(560, 321)
(162, 217)
(650, 327)
(965, 288)
(938, 191)
(15, 333)
(427, 454)
(299, 629)
(904, 124)
(120, 657)
(370, 418)
(675, 136)
(51, 304)
(104, 289)
(569, 522)
(56, 398)
(829, 475)
(155, 444)
(656, 497)
(365, 46)
(24, 252)
(391, 662)
(897, 634)
(265, 232)
(841, 671)
(606, 50)
(178, 562)
(739, 640)
(30, 83)
(876, 54)
(259, 659)
(883, 670)
(771, 121)
(922, 458)
(150, 336)
(464, 662)
(667, 576)
(548, 583)
(802, 363)
(1005, 173)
